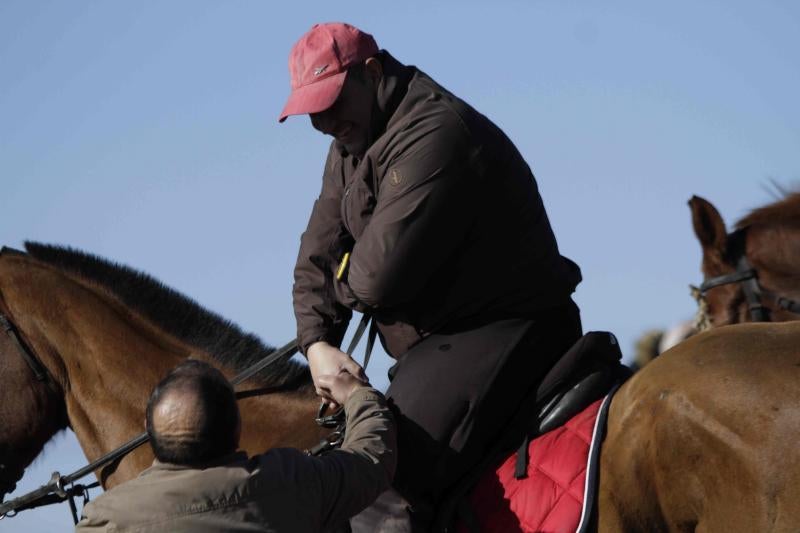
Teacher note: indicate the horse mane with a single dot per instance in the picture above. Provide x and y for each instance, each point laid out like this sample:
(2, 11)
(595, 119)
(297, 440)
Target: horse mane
(785, 211)
(175, 313)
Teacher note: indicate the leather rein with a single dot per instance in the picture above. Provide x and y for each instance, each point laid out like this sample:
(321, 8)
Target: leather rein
(754, 294)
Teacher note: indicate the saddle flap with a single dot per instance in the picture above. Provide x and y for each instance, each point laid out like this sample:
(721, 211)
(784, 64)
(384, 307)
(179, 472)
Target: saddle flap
(573, 400)
(595, 350)
(585, 373)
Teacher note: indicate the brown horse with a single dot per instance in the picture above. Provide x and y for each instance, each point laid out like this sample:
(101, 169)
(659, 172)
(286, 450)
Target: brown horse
(106, 335)
(702, 439)
(766, 242)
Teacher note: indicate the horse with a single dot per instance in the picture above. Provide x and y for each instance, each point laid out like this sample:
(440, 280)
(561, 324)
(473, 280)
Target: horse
(752, 273)
(761, 247)
(701, 439)
(106, 335)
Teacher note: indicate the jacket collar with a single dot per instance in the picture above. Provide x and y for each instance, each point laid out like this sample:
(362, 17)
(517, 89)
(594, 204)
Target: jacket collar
(391, 91)
(228, 459)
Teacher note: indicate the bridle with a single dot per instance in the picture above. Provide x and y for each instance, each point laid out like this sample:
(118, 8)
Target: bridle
(754, 293)
(38, 369)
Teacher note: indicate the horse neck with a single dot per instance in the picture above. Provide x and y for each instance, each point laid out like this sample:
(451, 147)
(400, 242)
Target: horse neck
(104, 359)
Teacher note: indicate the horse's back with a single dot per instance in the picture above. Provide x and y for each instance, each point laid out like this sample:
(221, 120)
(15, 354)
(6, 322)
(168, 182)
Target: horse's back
(705, 437)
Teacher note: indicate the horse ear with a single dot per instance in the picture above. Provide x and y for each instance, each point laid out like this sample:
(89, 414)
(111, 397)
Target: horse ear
(708, 225)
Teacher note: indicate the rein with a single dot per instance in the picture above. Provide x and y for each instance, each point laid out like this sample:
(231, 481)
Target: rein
(61, 488)
(753, 292)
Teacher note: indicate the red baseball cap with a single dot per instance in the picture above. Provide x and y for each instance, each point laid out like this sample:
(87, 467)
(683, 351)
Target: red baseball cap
(318, 65)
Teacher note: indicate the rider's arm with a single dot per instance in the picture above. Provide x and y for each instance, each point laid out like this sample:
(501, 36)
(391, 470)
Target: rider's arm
(427, 200)
(319, 316)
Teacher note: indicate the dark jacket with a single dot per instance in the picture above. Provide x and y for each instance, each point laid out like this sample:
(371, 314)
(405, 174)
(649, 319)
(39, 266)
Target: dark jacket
(281, 491)
(442, 217)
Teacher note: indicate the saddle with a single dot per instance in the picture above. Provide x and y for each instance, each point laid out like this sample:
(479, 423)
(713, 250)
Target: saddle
(583, 375)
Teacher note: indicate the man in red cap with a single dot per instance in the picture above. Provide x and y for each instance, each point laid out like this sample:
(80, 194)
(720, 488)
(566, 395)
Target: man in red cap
(430, 221)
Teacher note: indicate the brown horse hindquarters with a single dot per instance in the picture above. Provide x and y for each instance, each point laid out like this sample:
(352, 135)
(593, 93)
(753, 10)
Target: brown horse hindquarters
(705, 438)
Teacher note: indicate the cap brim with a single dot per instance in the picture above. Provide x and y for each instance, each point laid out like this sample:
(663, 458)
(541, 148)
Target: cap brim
(314, 97)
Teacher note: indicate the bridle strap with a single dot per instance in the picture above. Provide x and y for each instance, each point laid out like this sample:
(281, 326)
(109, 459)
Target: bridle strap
(788, 305)
(39, 372)
(735, 277)
(753, 292)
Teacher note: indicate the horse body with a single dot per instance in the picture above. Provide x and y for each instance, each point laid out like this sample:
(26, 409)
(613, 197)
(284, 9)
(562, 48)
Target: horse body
(705, 437)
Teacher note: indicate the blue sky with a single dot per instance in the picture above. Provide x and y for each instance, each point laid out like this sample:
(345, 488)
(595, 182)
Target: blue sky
(147, 133)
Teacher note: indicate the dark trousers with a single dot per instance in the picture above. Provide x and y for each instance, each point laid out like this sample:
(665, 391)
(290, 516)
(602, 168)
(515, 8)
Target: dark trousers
(455, 395)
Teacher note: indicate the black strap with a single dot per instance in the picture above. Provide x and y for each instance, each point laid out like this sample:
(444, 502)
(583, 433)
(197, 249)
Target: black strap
(734, 277)
(38, 370)
(366, 320)
(333, 440)
(373, 332)
(752, 291)
(789, 305)
(362, 327)
(286, 351)
(521, 469)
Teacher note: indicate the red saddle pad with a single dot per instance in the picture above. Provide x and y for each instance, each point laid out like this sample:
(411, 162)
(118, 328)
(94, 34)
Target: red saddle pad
(552, 497)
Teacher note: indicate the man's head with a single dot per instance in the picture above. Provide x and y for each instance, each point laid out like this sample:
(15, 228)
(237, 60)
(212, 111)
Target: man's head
(192, 416)
(335, 77)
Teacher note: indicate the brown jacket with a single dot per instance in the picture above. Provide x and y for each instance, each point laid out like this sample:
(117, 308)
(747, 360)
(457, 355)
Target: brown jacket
(443, 219)
(282, 490)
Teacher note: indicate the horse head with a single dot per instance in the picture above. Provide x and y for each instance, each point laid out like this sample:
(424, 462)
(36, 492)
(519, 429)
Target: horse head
(750, 273)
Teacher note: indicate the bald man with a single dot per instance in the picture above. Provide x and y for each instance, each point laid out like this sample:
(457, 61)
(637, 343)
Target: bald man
(200, 483)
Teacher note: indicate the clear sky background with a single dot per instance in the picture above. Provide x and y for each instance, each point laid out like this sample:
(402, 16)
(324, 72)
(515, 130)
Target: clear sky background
(146, 132)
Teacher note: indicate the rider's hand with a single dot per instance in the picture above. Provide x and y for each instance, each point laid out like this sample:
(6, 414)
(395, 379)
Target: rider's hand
(340, 386)
(324, 359)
